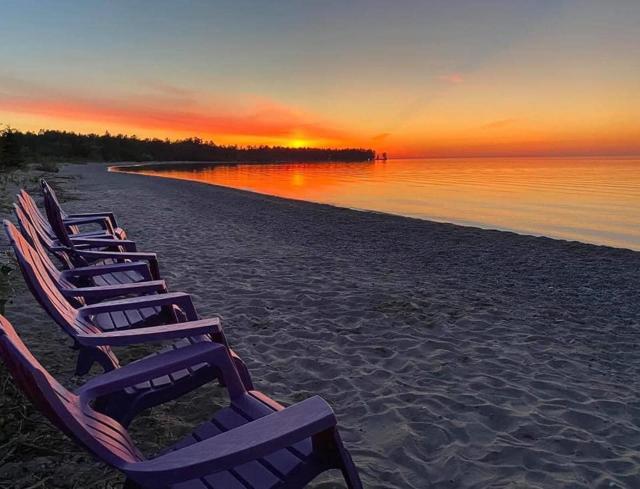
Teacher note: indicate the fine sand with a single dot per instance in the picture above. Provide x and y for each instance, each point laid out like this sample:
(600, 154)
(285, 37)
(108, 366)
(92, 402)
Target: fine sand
(454, 357)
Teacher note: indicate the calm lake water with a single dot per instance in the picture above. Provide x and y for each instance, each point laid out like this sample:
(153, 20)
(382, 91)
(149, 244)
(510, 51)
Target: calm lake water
(594, 200)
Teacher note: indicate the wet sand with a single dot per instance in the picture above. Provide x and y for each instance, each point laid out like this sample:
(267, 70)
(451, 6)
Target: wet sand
(454, 357)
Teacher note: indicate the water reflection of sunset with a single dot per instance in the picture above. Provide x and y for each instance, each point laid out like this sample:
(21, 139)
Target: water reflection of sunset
(297, 179)
(592, 200)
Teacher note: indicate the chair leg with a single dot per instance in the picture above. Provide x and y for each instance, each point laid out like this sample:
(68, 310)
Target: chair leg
(129, 484)
(84, 362)
(350, 472)
(88, 356)
(329, 444)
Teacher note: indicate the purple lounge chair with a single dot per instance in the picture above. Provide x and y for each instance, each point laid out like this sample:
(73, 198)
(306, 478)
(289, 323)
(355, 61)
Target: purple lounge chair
(106, 220)
(65, 229)
(73, 284)
(65, 233)
(29, 204)
(83, 251)
(82, 239)
(255, 443)
(95, 328)
(114, 273)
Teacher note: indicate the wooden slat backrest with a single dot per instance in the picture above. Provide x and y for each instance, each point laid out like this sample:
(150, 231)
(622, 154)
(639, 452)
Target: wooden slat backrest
(31, 208)
(47, 293)
(52, 196)
(41, 283)
(29, 232)
(54, 214)
(52, 204)
(100, 434)
(43, 234)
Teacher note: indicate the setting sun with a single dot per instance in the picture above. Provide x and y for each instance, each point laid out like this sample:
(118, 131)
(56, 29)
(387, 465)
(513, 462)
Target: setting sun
(299, 143)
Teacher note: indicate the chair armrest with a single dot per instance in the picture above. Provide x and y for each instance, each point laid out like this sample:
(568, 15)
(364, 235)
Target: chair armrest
(237, 446)
(109, 291)
(151, 258)
(152, 367)
(109, 215)
(151, 333)
(126, 244)
(57, 247)
(102, 221)
(96, 234)
(96, 270)
(180, 299)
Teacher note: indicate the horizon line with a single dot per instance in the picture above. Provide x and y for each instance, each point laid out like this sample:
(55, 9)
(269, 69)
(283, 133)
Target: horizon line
(390, 156)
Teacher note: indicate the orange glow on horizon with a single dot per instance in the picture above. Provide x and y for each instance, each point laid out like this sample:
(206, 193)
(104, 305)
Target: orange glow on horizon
(457, 133)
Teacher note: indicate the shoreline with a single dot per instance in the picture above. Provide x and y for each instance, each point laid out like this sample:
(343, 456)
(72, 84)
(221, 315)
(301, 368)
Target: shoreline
(124, 167)
(127, 169)
(453, 356)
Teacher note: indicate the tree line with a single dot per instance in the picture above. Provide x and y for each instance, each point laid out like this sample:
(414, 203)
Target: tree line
(17, 148)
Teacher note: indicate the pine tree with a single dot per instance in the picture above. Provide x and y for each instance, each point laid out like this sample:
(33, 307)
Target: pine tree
(10, 150)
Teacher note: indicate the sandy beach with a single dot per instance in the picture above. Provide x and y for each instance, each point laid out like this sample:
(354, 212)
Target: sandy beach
(454, 357)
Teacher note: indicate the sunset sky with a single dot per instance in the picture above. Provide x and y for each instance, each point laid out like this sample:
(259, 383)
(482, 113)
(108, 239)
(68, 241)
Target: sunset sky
(413, 78)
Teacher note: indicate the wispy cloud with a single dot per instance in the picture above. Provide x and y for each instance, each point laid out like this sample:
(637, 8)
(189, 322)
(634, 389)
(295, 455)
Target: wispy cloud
(381, 137)
(452, 78)
(168, 89)
(499, 123)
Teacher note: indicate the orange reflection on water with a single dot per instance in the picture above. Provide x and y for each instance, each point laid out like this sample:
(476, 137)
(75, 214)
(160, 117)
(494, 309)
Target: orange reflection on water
(593, 200)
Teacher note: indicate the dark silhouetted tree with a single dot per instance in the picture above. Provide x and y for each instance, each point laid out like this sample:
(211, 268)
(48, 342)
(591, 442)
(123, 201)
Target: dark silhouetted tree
(10, 149)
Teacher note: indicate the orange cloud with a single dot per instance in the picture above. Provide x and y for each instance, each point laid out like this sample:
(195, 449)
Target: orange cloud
(259, 119)
(452, 78)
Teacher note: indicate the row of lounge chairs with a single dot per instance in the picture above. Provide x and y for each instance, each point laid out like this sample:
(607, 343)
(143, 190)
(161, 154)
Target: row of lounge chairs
(103, 293)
